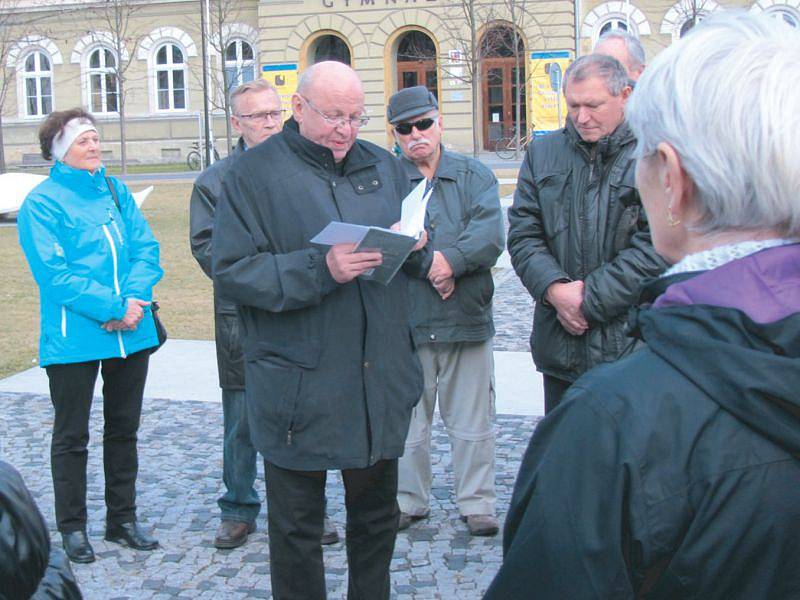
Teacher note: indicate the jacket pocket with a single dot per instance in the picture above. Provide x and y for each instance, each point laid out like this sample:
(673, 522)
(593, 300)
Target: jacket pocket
(273, 393)
(366, 181)
(474, 293)
(627, 226)
(554, 196)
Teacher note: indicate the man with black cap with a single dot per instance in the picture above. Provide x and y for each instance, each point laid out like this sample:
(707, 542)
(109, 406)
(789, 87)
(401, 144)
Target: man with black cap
(451, 315)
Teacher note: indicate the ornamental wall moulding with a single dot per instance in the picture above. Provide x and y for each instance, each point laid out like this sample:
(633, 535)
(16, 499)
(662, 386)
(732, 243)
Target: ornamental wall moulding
(31, 42)
(682, 11)
(763, 5)
(234, 31)
(334, 23)
(96, 39)
(425, 20)
(624, 11)
(165, 34)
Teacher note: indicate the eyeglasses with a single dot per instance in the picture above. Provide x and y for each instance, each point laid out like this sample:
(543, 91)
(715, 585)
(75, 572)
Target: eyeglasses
(354, 122)
(421, 125)
(263, 116)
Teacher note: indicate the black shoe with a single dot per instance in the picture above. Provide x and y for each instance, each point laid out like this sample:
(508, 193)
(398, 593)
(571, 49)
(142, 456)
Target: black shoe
(130, 534)
(77, 547)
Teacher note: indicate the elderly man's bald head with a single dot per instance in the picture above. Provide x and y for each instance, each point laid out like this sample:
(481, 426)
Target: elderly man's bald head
(328, 105)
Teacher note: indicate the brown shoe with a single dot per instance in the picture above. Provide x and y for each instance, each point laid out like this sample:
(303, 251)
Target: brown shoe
(482, 524)
(407, 520)
(329, 533)
(232, 534)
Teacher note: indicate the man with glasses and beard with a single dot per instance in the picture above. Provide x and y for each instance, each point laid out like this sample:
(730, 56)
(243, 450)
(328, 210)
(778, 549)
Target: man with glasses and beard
(330, 366)
(451, 315)
(257, 115)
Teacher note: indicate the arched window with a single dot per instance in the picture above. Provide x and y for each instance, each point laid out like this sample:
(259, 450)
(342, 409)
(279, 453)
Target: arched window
(690, 22)
(240, 64)
(785, 14)
(102, 76)
(614, 24)
(330, 47)
(37, 82)
(170, 78)
(416, 62)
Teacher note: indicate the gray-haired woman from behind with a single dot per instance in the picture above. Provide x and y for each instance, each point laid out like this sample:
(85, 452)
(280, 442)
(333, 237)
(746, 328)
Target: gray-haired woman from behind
(675, 473)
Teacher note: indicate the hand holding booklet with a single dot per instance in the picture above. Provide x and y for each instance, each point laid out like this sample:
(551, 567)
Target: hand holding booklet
(394, 246)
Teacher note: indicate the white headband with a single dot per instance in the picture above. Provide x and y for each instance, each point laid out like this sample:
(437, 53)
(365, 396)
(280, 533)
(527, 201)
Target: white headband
(71, 130)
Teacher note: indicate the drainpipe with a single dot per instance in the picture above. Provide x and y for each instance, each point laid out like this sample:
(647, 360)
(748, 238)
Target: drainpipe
(577, 29)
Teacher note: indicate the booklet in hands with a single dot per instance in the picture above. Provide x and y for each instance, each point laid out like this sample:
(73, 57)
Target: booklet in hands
(394, 246)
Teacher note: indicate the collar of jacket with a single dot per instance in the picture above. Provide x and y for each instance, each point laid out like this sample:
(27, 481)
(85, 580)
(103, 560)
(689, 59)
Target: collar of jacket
(606, 146)
(447, 169)
(78, 178)
(238, 148)
(356, 159)
(652, 288)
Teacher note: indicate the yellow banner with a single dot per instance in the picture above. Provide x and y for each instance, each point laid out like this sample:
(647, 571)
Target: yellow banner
(548, 107)
(284, 77)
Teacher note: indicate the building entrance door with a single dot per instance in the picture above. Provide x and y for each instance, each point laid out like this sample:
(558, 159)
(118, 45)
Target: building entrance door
(500, 100)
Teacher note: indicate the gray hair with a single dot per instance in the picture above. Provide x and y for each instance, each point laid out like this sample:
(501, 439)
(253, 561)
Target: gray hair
(632, 45)
(608, 68)
(726, 98)
(257, 85)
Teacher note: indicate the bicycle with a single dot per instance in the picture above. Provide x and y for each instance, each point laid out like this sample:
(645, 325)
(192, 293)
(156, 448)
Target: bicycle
(195, 160)
(505, 147)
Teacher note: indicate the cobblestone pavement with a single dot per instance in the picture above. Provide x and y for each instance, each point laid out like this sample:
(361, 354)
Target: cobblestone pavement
(180, 478)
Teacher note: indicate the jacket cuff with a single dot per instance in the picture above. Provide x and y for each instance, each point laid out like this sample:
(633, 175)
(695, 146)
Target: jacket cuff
(541, 289)
(318, 262)
(119, 306)
(456, 259)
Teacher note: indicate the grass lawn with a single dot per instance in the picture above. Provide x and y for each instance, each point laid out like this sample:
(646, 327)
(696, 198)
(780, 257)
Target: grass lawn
(184, 293)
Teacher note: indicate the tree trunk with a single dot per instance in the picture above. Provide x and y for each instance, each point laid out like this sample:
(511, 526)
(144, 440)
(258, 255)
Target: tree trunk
(123, 146)
(2, 147)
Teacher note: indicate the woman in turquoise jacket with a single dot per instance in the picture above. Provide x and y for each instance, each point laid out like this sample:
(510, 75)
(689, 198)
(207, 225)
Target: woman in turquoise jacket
(96, 262)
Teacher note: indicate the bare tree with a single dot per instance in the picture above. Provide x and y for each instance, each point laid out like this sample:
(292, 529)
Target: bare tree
(123, 40)
(463, 21)
(15, 24)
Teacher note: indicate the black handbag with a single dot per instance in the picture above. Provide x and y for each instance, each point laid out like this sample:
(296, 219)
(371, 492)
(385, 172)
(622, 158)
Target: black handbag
(161, 331)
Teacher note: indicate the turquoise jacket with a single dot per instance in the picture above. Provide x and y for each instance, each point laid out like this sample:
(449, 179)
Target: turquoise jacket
(87, 259)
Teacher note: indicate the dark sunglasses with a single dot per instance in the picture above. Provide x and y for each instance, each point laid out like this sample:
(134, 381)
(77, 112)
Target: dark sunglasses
(421, 125)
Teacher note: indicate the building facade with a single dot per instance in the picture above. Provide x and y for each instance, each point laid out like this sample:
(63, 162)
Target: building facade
(70, 53)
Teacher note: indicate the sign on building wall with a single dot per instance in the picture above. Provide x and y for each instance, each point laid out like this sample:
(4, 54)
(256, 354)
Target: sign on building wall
(284, 77)
(548, 107)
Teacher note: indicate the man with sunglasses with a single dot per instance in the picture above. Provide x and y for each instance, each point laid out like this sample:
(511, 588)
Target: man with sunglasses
(331, 371)
(451, 315)
(256, 115)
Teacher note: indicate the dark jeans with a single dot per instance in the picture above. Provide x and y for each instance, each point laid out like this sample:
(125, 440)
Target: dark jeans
(240, 502)
(295, 501)
(71, 390)
(554, 390)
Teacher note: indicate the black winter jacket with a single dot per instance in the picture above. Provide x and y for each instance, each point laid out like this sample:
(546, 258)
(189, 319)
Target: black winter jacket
(465, 223)
(675, 472)
(29, 567)
(577, 216)
(205, 195)
(331, 374)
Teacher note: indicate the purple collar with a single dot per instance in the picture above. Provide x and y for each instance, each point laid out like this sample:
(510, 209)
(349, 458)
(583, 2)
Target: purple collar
(765, 286)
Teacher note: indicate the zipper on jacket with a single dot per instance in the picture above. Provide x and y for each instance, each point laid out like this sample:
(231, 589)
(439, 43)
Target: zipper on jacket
(116, 283)
(63, 321)
(116, 229)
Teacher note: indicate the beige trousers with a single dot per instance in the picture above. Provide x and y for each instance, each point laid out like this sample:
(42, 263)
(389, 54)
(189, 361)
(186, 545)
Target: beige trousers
(461, 375)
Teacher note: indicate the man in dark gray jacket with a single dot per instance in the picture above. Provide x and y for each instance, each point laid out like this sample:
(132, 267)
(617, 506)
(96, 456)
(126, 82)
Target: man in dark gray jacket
(257, 114)
(451, 315)
(330, 366)
(578, 236)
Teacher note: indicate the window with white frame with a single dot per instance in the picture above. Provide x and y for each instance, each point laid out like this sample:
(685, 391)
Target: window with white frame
(785, 14)
(102, 81)
(613, 24)
(170, 78)
(240, 64)
(37, 84)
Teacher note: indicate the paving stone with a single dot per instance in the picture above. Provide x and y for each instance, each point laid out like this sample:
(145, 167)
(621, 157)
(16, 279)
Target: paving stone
(180, 479)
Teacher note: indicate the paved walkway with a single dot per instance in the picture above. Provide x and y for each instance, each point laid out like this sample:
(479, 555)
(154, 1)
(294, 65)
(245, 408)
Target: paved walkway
(180, 479)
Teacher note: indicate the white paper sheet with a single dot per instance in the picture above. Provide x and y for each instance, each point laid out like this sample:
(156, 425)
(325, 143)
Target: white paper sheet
(412, 214)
